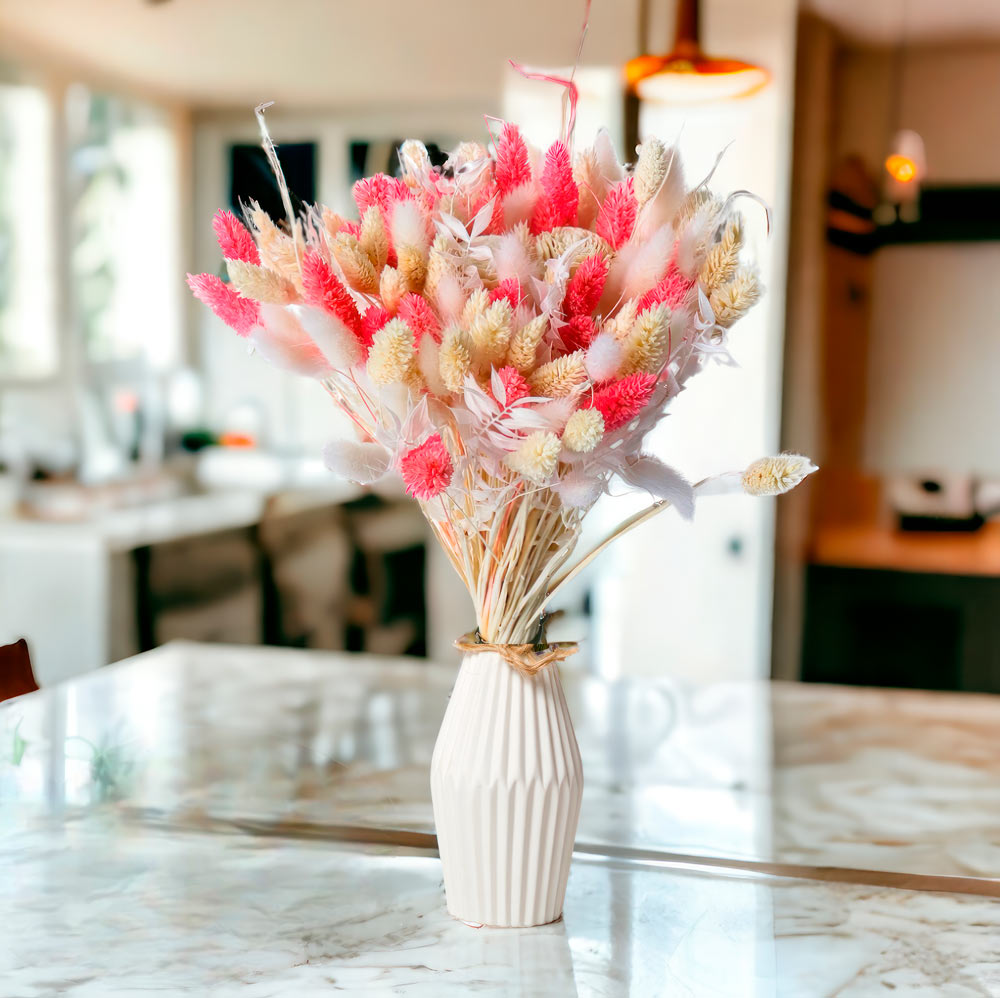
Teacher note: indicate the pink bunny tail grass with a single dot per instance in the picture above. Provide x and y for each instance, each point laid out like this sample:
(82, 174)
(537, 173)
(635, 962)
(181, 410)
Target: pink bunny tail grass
(322, 287)
(234, 239)
(586, 286)
(509, 289)
(419, 316)
(427, 469)
(381, 190)
(578, 333)
(237, 312)
(618, 213)
(371, 322)
(672, 290)
(512, 166)
(560, 195)
(514, 384)
(623, 400)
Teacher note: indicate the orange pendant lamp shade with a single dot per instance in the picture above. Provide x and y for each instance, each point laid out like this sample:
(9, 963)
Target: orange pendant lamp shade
(687, 75)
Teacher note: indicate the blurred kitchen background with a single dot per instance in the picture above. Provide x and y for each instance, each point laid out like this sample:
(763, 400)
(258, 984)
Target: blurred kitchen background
(157, 482)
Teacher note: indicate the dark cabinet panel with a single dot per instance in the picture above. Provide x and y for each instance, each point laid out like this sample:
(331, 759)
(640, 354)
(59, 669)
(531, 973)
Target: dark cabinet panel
(907, 629)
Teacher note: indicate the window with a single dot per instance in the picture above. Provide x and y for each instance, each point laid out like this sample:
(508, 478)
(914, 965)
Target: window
(28, 342)
(124, 268)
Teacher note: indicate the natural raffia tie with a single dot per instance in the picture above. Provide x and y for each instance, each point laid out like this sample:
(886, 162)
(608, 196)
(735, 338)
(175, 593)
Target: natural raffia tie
(528, 659)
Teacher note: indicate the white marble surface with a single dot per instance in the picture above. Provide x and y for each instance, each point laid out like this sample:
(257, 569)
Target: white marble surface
(822, 776)
(93, 909)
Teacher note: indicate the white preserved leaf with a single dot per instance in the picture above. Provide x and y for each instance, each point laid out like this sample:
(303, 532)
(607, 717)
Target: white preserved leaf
(359, 462)
(659, 479)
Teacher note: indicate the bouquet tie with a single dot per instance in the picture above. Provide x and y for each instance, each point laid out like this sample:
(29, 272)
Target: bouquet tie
(527, 659)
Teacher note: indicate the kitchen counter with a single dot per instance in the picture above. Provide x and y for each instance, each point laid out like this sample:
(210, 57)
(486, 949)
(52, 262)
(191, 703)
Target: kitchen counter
(257, 822)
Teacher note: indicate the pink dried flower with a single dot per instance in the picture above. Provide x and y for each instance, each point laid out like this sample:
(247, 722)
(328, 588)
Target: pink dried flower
(510, 289)
(561, 196)
(351, 228)
(514, 385)
(234, 239)
(512, 167)
(381, 190)
(427, 469)
(578, 333)
(623, 400)
(415, 311)
(586, 286)
(237, 312)
(371, 322)
(618, 213)
(671, 290)
(322, 287)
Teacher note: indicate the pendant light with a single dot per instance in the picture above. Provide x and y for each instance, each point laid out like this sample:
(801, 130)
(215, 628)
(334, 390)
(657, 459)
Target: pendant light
(906, 163)
(686, 75)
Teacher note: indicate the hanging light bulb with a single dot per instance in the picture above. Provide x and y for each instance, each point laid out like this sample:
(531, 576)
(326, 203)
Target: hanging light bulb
(686, 75)
(906, 165)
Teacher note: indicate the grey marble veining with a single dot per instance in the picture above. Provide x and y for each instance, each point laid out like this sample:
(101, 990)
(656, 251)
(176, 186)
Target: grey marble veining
(883, 780)
(94, 908)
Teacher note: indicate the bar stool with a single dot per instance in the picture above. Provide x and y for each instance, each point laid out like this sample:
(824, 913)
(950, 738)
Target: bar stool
(16, 676)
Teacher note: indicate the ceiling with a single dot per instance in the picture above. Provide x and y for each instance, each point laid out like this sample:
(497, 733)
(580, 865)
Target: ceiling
(315, 52)
(328, 53)
(886, 21)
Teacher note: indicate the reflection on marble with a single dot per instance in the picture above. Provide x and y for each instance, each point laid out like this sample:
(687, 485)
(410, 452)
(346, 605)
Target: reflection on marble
(98, 910)
(884, 780)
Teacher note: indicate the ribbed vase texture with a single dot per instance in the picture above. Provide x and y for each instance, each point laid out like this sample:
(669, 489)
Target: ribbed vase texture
(506, 783)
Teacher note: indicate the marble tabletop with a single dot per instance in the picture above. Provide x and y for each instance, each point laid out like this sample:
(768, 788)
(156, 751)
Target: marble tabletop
(101, 909)
(255, 822)
(786, 775)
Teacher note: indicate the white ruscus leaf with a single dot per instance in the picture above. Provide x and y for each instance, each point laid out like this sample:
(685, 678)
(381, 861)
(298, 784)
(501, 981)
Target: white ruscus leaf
(650, 473)
(363, 463)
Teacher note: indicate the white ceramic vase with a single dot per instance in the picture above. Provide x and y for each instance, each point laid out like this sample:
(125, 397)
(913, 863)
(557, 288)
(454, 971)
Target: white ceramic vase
(506, 784)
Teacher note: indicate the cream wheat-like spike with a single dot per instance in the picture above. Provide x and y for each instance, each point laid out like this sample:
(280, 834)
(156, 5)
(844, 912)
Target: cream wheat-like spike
(723, 257)
(332, 223)
(455, 359)
(524, 344)
(439, 263)
(592, 185)
(373, 238)
(560, 377)
(260, 283)
(476, 305)
(277, 250)
(392, 358)
(491, 333)
(354, 262)
(412, 265)
(774, 476)
(549, 245)
(648, 344)
(620, 325)
(650, 170)
(391, 288)
(734, 299)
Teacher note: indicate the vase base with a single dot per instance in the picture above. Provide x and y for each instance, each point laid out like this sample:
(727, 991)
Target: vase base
(486, 925)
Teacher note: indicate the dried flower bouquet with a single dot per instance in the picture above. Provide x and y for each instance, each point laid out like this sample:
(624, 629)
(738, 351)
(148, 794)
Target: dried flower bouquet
(503, 332)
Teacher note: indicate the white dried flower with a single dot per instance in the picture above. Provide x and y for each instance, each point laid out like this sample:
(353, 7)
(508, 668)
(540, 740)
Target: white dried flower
(584, 430)
(773, 476)
(537, 457)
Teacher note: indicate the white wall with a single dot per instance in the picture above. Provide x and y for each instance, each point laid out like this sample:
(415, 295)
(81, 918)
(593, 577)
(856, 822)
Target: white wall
(934, 348)
(695, 599)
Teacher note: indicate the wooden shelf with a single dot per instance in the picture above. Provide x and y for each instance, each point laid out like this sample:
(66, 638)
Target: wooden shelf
(879, 547)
